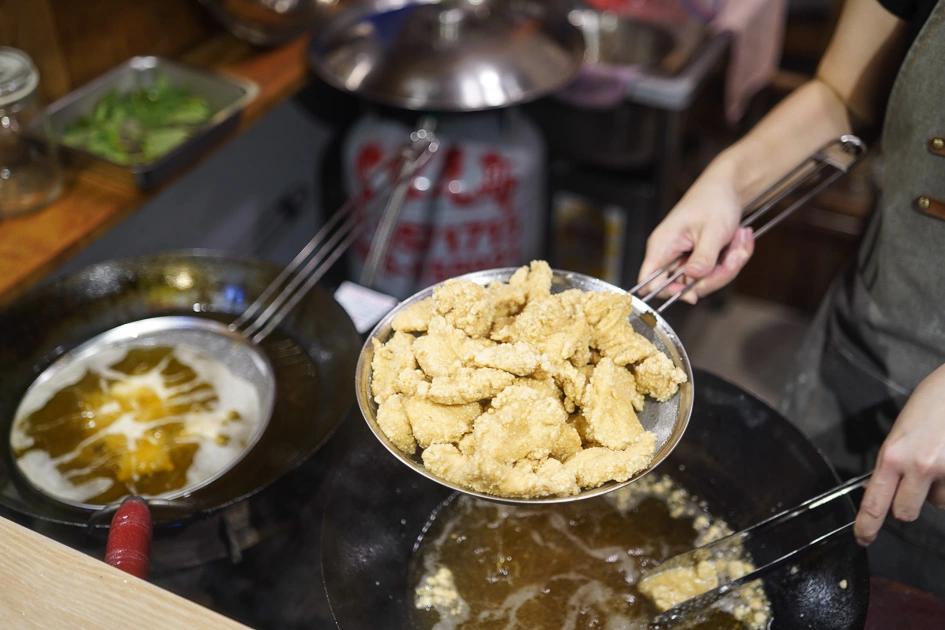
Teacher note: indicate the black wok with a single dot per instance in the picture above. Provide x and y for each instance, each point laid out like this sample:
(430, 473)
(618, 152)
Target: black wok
(739, 455)
(314, 353)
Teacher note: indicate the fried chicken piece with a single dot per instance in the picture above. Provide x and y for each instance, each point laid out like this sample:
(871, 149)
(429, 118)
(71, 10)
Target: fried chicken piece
(671, 587)
(601, 304)
(579, 423)
(611, 332)
(412, 383)
(570, 379)
(433, 423)
(521, 424)
(435, 355)
(544, 385)
(415, 317)
(445, 349)
(466, 306)
(609, 409)
(392, 419)
(554, 325)
(508, 298)
(525, 479)
(390, 359)
(446, 461)
(519, 359)
(657, 376)
(468, 385)
(569, 443)
(571, 344)
(595, 466)
(467, 445)
(537, 283)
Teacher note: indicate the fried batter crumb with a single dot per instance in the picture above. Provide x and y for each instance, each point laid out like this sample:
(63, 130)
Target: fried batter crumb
(515, 391)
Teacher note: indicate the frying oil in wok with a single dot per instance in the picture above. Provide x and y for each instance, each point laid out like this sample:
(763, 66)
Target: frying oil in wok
(488, 566)
(146, 421)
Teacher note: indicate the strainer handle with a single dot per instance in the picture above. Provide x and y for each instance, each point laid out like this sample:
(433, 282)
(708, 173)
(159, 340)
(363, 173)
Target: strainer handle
(331, 241)
(821, 169)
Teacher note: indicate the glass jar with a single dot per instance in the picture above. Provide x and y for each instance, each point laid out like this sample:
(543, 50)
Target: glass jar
(30, 173)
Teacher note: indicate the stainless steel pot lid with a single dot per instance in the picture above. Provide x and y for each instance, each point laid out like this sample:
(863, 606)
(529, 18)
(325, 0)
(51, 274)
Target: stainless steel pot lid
(448, 55)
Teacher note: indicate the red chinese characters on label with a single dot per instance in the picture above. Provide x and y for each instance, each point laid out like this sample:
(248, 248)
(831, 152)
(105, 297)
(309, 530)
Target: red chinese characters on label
(463, 217)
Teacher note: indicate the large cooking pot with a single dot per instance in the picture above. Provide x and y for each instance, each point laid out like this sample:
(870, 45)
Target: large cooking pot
(739, 455)
(314, 353)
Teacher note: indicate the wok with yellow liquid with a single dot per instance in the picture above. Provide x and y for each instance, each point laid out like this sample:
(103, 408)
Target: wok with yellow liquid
(312, 354)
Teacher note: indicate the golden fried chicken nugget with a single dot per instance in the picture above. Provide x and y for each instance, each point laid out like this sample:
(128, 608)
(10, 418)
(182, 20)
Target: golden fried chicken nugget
(595, 466)
(570, 379)
(468, 385)
(392, 419)
(657, 376)
(521, 424)
(611, 332)
(413, 383)
(435, 355)
(544, 385)
(445, 460)
(390, 359)
(538, 282)
(466, 306)
(508, 298)
(433, 423)
(568, 443)
(519, 358)
(609, 409)
(525, 479)
(415, 317)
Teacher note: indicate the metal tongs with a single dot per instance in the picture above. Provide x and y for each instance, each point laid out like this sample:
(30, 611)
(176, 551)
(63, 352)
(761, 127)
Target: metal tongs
(339, 233)
(764, 542)
(820, 170)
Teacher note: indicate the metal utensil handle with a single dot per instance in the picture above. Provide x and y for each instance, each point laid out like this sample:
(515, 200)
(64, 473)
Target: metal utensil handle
(391, 214)
(690, 558)
(837, 157)
(328, 244)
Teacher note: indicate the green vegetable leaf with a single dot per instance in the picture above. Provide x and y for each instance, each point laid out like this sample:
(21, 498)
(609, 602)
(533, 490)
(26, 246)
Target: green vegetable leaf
(157, 142)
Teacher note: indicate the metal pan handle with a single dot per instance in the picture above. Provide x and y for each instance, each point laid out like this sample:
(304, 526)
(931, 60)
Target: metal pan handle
(814, 174)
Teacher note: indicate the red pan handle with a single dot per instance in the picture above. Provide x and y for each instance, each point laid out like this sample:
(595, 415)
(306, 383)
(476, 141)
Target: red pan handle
(129, 538)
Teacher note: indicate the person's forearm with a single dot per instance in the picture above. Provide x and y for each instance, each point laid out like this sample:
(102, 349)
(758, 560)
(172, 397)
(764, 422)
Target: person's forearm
(806, 120)
(849, 91)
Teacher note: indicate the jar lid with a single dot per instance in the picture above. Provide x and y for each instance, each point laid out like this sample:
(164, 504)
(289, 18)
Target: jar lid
(18, 76)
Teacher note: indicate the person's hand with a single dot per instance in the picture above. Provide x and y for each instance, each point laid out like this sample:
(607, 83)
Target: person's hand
(703, 222)
(910, 468)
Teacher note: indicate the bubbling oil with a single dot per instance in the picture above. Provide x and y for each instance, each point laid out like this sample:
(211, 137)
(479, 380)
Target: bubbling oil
(575, 565)
(146, 421)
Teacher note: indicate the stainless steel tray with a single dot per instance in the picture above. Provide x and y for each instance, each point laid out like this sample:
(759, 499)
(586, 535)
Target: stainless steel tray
(227, 97)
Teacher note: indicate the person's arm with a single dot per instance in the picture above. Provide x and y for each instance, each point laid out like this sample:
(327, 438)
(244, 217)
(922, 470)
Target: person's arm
(849, 91)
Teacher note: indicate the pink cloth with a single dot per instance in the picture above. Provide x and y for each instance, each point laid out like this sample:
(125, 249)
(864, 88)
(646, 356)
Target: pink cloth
(757, 29)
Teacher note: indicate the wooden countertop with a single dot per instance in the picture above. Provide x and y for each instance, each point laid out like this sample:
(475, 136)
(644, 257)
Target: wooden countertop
(44, 584)
(91, 203)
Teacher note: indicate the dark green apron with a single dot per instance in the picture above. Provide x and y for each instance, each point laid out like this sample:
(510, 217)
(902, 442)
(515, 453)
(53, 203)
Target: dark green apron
(881, 329)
